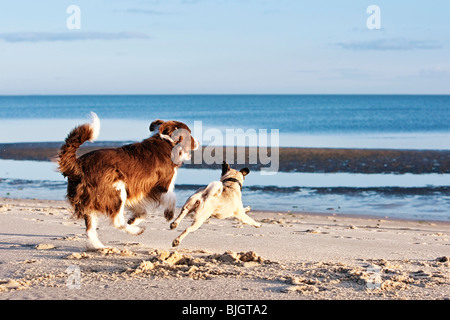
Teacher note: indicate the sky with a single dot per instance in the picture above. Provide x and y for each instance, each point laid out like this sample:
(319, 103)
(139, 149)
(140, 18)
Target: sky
(224, 47)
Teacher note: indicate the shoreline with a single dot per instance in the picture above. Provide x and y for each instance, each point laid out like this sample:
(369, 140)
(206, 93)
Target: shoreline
(291, 257)
(288, 212)
(356, 216)
(309, 160)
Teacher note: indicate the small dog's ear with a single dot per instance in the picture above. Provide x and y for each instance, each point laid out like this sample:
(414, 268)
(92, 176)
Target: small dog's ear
(245, 171)
(225, 167)
(155, 125)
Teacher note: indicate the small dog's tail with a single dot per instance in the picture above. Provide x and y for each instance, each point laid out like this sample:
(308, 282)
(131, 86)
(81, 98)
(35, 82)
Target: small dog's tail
(67, 158)
(214, 189)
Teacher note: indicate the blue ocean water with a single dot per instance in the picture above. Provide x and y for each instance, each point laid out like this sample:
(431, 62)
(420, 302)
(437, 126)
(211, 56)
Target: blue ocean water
(379, 195)
(311, 114)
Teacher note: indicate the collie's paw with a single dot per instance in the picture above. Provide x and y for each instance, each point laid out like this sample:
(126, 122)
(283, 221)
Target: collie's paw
(94, 245)
(135, 231)
(141, 231)
(173, 225)
(168, 214)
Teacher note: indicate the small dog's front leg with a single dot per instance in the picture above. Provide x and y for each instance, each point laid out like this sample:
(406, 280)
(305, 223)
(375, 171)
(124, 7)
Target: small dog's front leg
(244, 218)
(198, 221)
(191, 204)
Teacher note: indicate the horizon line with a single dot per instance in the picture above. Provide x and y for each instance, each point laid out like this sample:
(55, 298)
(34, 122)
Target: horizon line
(224, 94)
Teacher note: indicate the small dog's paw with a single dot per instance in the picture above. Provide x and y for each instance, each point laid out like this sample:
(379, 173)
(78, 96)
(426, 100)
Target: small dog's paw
(247, 209)
(173, 225)
(168, 214)
(175, 243)
(258, 225)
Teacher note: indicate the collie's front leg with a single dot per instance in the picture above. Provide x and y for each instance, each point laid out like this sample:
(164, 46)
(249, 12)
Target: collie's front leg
(168, 202)
(139, 214)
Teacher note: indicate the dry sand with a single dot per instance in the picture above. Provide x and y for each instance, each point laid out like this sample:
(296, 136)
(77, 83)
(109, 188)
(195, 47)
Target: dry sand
(293, 256)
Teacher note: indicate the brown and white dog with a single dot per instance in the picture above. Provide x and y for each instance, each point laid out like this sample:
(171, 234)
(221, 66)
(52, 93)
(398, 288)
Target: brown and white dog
(106, 181)
(220, 199)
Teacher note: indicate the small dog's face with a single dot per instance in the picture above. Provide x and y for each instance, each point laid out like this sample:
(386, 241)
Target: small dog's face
(228, 172)
(178, 133)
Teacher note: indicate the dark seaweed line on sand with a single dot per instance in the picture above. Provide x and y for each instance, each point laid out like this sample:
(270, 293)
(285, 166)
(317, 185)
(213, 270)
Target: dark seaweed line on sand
(312, 160)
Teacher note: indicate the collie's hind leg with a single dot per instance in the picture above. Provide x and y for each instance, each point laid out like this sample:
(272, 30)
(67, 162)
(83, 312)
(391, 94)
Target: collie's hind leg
(93, 243)
(119, 218)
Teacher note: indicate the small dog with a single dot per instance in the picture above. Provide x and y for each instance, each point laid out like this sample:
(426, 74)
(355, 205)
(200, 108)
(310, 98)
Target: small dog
(133, 176)
(220, 199)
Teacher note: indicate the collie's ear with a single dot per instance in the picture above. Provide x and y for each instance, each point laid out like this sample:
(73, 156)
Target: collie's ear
(194, 143)
(245, 171)
(225, 167)
(155, 125)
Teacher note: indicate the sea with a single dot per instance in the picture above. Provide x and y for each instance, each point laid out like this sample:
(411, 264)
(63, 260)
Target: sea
(413, 122)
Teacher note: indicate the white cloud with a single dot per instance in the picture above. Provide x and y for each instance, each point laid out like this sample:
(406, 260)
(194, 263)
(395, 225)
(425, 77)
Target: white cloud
(146, 11)
(69, 36)
(436, 72)
(398, 44)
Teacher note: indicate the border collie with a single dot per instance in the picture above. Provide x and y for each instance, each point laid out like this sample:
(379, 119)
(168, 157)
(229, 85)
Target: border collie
(106, 181)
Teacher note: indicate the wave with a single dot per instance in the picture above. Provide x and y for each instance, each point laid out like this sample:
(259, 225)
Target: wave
(271, 189)
(416, 203)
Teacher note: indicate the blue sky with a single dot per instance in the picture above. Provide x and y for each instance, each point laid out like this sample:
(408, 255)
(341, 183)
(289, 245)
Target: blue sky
(224, 47)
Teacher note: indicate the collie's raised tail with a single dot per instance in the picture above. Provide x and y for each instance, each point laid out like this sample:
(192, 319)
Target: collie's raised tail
(106, 181)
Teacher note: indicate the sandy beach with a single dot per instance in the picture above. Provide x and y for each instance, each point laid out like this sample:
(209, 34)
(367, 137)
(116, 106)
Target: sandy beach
(291, 257)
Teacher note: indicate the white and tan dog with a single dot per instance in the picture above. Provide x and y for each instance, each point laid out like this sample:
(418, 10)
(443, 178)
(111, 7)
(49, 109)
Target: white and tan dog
(220, 199)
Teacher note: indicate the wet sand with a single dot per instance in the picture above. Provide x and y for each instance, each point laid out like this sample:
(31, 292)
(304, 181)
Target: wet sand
(290, 159)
